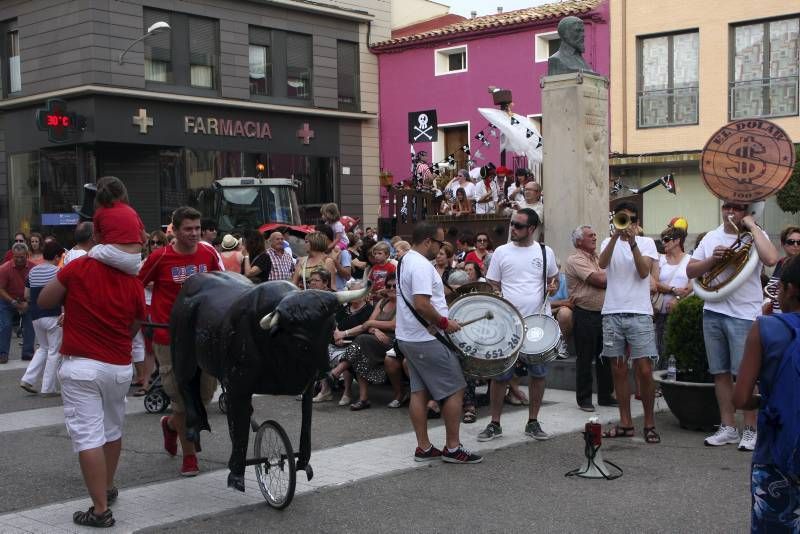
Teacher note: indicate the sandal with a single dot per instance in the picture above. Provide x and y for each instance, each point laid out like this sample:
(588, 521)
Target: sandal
(360, 405)
(90, 519)
(617, 431)
(469, 417)
(650, 435)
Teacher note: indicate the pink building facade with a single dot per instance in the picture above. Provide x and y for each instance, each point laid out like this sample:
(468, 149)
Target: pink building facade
(450, 69)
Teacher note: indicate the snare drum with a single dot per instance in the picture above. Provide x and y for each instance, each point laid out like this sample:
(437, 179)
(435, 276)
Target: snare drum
(489, 347)
(540, 343)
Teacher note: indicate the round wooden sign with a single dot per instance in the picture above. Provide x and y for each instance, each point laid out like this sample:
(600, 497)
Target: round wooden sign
(747, 161)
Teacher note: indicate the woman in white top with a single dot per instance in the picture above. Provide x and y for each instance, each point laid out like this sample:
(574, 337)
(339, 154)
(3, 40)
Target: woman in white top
(671, 281)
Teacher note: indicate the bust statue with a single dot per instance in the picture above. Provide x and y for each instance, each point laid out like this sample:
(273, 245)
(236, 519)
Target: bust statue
(568, 58)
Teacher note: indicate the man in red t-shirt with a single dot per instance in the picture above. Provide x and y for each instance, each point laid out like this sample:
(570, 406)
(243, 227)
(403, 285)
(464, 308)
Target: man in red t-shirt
(168, 268)
(12, 300)
(102, 310)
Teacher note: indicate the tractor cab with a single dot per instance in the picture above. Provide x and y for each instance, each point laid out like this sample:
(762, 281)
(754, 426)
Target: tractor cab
(243, 203)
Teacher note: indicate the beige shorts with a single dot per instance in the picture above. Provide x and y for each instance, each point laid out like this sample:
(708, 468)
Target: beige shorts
(208, 384)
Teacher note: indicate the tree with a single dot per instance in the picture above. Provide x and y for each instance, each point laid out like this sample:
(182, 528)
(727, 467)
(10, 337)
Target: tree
(789, 197)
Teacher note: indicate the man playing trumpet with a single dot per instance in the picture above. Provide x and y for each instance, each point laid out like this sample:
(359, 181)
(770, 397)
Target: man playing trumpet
(727, 321)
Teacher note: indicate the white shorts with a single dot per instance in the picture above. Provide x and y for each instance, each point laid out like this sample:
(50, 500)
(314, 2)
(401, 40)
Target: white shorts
(93, 393)
(127, 262)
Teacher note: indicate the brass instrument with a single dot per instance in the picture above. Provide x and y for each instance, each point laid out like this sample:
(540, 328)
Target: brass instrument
(621, 220)
(739, 257)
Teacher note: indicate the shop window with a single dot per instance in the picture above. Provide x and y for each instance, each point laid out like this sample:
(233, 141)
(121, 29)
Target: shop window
(298, 66)
(347, 67)
(187, 55)
(668, 80)
(23, 205)
(766, 69)
(451, 60)
(260, 62)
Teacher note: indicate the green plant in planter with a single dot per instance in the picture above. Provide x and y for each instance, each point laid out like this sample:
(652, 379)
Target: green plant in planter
(683, 338)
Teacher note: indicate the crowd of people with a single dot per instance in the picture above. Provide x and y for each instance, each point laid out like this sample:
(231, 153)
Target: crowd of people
(611, 306)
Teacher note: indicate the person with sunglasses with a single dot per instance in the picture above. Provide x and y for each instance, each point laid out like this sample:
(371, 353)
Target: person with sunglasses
(671, 282)
(727, 321)
(790, 241)
(628, 320)
(516, 270)
(19, 237)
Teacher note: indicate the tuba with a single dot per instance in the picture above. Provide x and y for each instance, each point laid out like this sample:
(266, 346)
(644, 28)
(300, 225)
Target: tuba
(744, 162)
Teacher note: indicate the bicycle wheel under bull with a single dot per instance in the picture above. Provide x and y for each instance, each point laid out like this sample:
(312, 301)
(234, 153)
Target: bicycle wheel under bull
(276, 475)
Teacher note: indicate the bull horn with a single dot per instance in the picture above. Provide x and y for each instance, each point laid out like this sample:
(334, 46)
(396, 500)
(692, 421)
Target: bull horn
(269, 320)
(354, 294)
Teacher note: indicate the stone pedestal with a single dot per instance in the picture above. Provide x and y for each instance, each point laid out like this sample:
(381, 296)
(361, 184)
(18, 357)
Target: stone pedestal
(575, 132)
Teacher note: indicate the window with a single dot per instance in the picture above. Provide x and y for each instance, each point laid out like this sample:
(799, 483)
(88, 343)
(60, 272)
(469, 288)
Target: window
(347, 74)
(157, 49)
(546, 45)
(203, 52)
(765, 69)
(298, 65)
(260, 62)
(15, 78)
(188, 55)
(451, 60)
(668, 80)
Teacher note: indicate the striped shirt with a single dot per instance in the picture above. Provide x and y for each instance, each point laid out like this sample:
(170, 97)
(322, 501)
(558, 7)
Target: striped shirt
(37, 279)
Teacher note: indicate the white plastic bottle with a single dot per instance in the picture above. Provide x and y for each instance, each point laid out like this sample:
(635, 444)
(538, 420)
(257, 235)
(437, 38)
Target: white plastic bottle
(672, 371)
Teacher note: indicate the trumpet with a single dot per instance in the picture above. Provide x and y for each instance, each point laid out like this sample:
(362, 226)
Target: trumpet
(621, 220)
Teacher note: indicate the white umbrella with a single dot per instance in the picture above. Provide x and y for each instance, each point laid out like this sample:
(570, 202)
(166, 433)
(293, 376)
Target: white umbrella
(517, 133)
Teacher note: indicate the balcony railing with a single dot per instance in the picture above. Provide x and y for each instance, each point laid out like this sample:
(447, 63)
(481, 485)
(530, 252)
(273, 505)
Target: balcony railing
(667, 107)
(764, 97)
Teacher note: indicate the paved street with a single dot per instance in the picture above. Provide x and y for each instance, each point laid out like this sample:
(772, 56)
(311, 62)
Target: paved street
(365, 479)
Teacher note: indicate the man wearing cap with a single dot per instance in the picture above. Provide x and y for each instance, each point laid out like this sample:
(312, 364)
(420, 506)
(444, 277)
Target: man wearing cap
(727, 321)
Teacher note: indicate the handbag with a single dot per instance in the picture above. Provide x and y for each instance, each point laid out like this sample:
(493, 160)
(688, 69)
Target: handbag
(657, 298)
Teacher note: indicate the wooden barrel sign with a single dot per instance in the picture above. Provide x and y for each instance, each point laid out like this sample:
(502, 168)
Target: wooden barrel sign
(747, 161)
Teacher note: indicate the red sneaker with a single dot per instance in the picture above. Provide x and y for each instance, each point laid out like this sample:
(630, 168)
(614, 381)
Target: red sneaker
(189, 467)
(170, 437)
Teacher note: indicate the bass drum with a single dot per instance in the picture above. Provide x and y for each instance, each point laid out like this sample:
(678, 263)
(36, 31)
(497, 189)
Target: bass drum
(488, 347)
(540, 343)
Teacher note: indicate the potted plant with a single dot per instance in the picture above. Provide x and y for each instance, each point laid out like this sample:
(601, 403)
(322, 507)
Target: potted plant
(690, 396)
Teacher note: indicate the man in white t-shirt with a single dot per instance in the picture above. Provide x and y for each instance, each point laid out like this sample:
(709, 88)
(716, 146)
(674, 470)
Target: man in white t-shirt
(84, 241)
(629, 260)
(486, 192)
(516, 270)
(727, 321)
(434, 369)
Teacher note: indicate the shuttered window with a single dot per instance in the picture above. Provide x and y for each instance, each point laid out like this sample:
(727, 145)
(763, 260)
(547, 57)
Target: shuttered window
(157, 49)
(347, 68)
(298, 66)
(203, 52)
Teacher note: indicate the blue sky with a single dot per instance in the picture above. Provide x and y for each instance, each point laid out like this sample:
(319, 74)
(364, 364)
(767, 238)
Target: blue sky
(489, 7)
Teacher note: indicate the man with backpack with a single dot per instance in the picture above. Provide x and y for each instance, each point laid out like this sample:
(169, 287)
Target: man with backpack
(772, 356)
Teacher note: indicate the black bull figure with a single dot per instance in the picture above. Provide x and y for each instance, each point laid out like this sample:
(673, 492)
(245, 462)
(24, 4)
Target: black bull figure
(269, 338)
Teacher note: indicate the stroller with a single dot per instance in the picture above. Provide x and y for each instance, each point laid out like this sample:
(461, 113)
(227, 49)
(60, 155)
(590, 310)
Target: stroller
(156, 400)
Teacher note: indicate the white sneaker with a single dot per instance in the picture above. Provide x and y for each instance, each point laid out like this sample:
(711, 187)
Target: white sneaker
(563, 351)
(748, 442)
(723, 436)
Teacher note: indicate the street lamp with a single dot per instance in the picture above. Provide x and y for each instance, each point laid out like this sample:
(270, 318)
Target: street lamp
(157, 27)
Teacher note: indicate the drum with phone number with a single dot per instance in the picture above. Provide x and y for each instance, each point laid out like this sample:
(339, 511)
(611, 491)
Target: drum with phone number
(488, 346)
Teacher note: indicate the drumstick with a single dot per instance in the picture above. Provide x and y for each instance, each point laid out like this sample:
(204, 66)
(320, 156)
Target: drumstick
(487, 315)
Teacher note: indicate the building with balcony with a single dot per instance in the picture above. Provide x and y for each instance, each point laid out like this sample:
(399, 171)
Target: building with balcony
(287, 83)
(679, 76)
